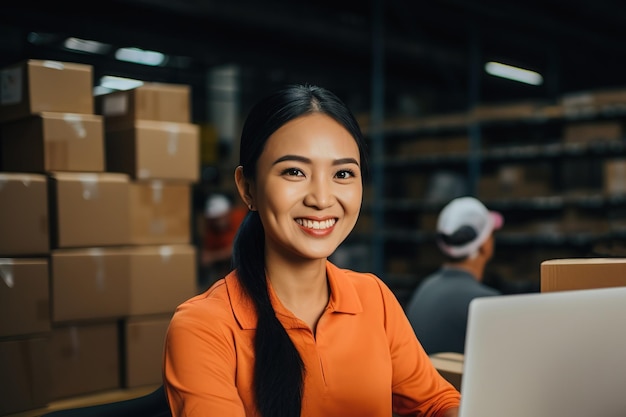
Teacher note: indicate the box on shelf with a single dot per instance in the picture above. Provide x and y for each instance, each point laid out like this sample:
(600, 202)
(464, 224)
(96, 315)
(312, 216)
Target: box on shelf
(143, 339)
(160, 278)
(614, 176)
(26, 374)
(583, 273)
(24, 296)
(160, 212)
(508, 110)
(89, 284)
(150, 101)
(102, 283)
(53, 142)
(155, 150)
(585, 132)
(595, 99)
(35, 86)
(89, 209)
(84, 359)
(24, 214)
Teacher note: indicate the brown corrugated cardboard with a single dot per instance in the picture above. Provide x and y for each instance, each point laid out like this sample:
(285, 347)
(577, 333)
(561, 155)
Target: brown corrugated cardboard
(583, 273)
(24, 296)
(89, 284)
(614, 176)
(450, 366)
(84, 359)
(161, 277)
(35, 86)
(53, 142)
(89, 209)
(102, 283)
(155, 150)
(151, 101)
(585, 132)
(25, 374)
(143, 343)
(160, 212)
(24, 215)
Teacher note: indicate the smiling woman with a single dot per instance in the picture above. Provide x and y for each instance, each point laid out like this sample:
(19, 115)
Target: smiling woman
(287, 333)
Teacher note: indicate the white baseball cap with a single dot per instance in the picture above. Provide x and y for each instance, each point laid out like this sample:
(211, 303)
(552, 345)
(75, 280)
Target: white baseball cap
(464, 225)
(216, 206)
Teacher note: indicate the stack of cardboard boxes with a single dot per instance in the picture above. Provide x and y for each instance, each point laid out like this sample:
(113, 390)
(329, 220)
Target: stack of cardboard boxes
(95, 242)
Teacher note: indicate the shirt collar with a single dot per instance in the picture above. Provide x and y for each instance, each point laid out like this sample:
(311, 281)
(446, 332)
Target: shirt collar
(344, 298)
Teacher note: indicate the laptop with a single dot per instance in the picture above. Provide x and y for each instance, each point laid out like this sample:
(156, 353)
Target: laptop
(559, 354)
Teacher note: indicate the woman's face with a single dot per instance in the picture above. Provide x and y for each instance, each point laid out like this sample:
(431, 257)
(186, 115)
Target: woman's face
(308, 189)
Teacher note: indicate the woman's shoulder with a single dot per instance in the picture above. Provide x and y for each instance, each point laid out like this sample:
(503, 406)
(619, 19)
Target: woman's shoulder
(214, 303)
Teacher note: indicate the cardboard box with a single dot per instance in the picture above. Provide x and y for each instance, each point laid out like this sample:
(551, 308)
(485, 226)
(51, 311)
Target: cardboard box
(25, 374)
(151, 101)
(24, 215)
(89, 209)
(84, 359)
(89, 284)
(24, 296)
(35, 86)
(586, 132)
(143, 343)
(54, 142)
(105, 283)
(161, 278)
(160, 212)
(581, 274)
(508, 110)
(614, 176)
(155, 150)
(450, 366)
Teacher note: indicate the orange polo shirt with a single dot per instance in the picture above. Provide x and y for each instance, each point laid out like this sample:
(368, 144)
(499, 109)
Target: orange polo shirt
(364, 361)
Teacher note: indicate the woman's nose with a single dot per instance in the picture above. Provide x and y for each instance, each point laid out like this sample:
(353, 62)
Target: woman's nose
(320, 194)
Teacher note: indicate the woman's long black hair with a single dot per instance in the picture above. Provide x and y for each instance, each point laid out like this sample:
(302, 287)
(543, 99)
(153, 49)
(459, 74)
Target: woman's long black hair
(278, 367)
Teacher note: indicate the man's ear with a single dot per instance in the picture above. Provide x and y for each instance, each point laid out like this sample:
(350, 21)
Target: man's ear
(244, 187)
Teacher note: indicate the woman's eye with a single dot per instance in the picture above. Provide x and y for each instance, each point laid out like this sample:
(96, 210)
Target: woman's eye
(293, 172)
(345, 174)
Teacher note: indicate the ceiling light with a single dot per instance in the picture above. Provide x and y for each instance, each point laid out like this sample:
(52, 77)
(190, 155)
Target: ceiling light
(82, 45)
(513, 73)
(140, 56)
(119, 83)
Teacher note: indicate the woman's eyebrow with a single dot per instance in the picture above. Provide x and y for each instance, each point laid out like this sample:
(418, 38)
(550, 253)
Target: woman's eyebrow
(303, 159)
(343, 161)
(292, 158)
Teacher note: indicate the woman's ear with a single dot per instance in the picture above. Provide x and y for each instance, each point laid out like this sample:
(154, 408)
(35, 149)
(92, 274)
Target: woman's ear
(244, 187)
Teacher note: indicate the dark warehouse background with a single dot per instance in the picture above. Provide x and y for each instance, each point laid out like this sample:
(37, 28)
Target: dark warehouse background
(389, 60)
(432, 52)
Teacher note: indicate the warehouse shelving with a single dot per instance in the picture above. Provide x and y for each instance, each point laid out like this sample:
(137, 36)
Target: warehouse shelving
(535, 136)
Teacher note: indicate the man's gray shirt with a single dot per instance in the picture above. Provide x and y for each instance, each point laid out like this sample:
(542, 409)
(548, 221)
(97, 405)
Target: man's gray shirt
(439, 306)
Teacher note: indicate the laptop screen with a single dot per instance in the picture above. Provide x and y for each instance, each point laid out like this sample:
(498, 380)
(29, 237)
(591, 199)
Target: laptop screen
(560, 354)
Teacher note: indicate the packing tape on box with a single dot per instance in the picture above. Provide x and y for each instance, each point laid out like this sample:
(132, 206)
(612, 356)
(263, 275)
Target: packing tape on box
(157, 191)
(90, 186)
(166, 253)
(172, 141)
(6, 272)
(24, 179)
(97, 256)
(54, 65)
(76, 123)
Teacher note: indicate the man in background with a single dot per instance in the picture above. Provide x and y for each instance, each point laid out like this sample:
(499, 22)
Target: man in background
(221, 222)
(439, 306)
